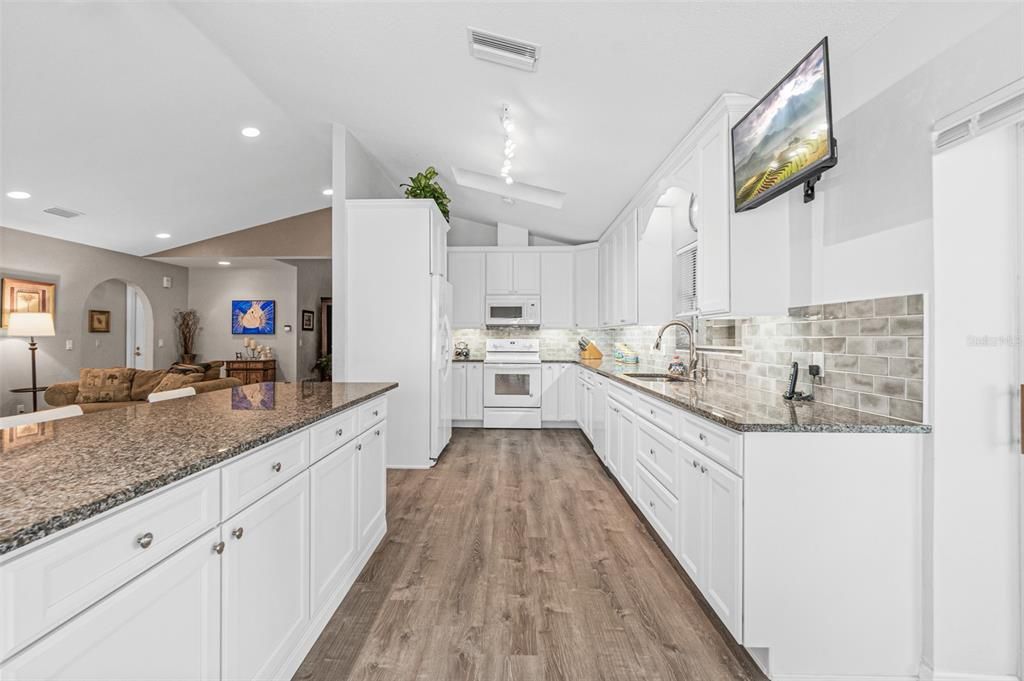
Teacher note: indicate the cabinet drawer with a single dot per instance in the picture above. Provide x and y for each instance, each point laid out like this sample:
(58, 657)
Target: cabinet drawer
(658, 505)
(721, 444)
(372, 412)
(623, 394)
(251, 477)
(656, 452)
(332, 433)
(585, 375)
(48, 586)
(658, 413)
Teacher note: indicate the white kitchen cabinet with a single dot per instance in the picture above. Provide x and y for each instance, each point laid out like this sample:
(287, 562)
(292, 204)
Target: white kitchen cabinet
(713, 264)
(549, 392)
(586, 282)
(266, 582)
(460, 372)
(334, 546)
(724, 546)
(581, 406)
(556, 287)
(515, 272)
(627, 430)
(612, 410)
(164, 625)
(466, 274)
(654, 269)
(598, 426)
(558, 397)
(626, 271)
(691, 491)
(475, 391)
(607, 280)
(372, 470)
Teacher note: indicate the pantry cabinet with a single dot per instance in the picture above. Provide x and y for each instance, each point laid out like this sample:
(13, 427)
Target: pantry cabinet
(556, 287)
(466, 274)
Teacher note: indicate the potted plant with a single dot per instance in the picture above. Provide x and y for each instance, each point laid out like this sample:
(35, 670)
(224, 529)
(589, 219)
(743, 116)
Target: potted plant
(423, 187)
(186, 323)
(323, 366)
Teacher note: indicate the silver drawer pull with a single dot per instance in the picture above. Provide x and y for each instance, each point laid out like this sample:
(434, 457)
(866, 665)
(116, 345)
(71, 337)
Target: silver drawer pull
(277, 467)
(377, 432)
(703, 469)
(218, 548)
(702, 437)
(652, 452)
(695, 464)
(238, 532)
(146, 540)
(376, 413)
(359, 448)
(339, 432)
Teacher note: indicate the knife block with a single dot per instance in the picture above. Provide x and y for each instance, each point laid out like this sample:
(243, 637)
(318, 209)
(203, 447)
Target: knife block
(591, 352)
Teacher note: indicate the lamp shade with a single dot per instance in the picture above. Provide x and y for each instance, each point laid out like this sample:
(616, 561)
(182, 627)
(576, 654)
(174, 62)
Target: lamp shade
(30, 324)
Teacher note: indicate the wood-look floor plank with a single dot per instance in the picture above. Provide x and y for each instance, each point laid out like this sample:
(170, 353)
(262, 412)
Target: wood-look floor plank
(518, 559)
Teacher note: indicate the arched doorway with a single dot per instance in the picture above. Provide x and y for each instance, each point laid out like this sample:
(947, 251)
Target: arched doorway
(117, 326)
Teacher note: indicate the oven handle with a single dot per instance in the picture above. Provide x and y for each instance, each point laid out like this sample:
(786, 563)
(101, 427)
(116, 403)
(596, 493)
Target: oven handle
(525, 367)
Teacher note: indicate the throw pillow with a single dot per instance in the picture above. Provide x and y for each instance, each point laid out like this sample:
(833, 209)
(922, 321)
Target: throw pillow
(105, 385)
(213, 370)
(180, 368)
(145, 382)
(175, 381)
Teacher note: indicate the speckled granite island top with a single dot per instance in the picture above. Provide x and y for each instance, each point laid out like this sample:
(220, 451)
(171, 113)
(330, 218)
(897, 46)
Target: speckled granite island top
(56, 474)
(750, 410)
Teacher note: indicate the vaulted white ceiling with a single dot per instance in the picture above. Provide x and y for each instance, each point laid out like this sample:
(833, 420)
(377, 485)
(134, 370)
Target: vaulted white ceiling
(130, 112)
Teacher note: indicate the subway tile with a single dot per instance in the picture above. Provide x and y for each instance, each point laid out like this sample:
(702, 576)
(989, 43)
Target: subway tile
(908, 410)
(906, 367)
(801, 328)
(874, 404)
(822, 394)
(834, 379)
(834, 311)
(823, 328)
(878, 326)
(860, 382)
(802, 358)
(805, 312)
(833, 344)
(915, 389)
(891, 347)
(915, 304)
(844, 398)
(841, 363)
(907, 326)
(890, 387)
(860, 308)
(784, 329)
(915, 347)
(887, 307)
(878, 366)
(847, 327)
(814, 345)
(859, 346)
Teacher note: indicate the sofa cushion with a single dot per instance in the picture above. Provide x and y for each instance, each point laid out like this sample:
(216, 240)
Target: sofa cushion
(213, 370)
(181, 368)
(104, 385)
(174, 381)
(145, 381)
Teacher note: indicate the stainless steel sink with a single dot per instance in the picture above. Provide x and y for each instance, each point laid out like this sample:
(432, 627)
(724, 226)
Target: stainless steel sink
(657, 378)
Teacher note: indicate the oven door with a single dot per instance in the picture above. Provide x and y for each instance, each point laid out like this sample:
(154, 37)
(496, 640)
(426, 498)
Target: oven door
(512, 385)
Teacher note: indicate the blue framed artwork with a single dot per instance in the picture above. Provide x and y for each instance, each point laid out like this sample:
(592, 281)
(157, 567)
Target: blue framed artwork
(252, 317)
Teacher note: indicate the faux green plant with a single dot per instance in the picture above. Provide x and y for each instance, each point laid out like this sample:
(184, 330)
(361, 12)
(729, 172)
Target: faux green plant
(423, 187)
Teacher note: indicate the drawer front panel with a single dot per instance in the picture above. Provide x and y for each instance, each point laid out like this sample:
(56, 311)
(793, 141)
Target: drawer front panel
(656, 452)
(259, 473)
(372, 412)
(48, 586)
(658, 413)
(658, 505)
(624, 395)
(721, 444)
(332, 433)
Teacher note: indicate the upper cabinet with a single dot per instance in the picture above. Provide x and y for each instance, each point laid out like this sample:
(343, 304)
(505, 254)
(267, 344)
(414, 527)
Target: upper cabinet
(585, 287)
(713, 275)
(466, 274)
(617, 254)
(556, 286)
(513, 273)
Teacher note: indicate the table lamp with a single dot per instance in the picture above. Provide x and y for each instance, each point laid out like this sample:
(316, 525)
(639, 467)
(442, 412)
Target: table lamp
(30, 325)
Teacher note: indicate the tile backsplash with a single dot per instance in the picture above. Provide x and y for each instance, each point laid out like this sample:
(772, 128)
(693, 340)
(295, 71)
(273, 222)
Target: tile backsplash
(872, 352)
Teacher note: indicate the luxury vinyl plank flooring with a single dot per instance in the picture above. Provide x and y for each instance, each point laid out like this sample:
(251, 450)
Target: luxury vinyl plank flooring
(517, 559)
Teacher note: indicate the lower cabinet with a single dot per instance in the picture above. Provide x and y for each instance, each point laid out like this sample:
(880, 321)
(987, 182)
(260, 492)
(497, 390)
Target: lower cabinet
(467, 391)
(620, 433)
(558, 396)
(126, 636)
(372, 482)
(458, 379)
(266, 581)
(334, 542)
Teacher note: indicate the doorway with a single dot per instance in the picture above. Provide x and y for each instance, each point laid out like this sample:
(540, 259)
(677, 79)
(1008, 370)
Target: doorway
(138, 329)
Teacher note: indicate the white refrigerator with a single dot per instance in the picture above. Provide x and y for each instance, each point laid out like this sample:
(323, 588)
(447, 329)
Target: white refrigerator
(396, 320)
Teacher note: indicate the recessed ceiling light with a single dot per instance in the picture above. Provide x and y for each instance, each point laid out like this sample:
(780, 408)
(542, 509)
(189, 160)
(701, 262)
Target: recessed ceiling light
(16, 194)
(328, 192)
(223, 262)
(163, 235)
(251, 132)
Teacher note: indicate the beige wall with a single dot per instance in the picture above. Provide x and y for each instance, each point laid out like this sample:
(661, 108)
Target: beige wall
(301, 236)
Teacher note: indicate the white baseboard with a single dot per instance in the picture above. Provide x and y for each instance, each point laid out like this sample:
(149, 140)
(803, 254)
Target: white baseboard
(410, 468)
(318, 621)
(929, 674)
(839, 677)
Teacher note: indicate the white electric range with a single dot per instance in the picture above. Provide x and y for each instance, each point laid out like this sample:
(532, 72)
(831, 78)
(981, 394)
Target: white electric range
(512, 383)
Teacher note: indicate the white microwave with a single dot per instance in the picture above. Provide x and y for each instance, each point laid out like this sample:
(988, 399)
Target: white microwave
(513, 310)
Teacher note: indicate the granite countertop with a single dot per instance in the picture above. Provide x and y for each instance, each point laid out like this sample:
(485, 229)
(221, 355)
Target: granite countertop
(55, 474)
(749, 409)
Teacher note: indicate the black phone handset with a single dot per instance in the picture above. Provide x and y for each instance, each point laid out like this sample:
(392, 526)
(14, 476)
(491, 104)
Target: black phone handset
(791, 393)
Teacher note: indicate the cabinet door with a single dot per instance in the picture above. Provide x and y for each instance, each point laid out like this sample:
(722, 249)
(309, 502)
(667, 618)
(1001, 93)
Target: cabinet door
(627, 272)
(460, 373)
(438, 244)
(499, 273)
(627, 451)
(724, 545)
(549, 392)
(370, 448)
(566, 392)
(127, 636)
(611, 423)
(333, 495)
(581, 409)
(713, 236)
(690, 545)
(466, 274)
(556, 284)
(526, 273)
(597, 421)
(266, 581)
(475, 391)
(585, 288)
(607, 284)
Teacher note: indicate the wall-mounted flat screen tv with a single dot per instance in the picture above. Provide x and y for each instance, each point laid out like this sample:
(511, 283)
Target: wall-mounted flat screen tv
(786, 139)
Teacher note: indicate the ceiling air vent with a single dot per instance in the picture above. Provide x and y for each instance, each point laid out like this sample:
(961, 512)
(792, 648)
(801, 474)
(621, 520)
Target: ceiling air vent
(503, 50)
(63, 212)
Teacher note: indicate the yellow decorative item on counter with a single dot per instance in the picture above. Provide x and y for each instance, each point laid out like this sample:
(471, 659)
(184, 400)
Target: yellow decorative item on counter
(625, 355)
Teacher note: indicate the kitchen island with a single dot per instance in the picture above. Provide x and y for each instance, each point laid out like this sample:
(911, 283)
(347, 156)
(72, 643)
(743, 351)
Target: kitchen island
(205, 537)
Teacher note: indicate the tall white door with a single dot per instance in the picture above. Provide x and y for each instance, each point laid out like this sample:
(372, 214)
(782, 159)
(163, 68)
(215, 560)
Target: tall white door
(138, 341)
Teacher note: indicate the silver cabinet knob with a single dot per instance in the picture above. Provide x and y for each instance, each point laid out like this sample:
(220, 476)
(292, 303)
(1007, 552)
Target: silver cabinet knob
(377, 432)
(339, 432)
(703, 469)
(218, 548)
(695, 464)
(277, 467)
(376, 413)
(238, 532)
(652, 504)
(145, 541)
(652, 452)
(702, 437)
(359, 448)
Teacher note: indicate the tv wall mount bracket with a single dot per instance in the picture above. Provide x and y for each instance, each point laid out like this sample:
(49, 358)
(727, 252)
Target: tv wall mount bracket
(809, 184)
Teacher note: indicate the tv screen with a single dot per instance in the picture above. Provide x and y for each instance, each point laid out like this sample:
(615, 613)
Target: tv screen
(786, 139)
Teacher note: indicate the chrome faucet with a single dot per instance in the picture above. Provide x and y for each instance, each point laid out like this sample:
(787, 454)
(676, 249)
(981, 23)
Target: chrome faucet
(691, 364)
